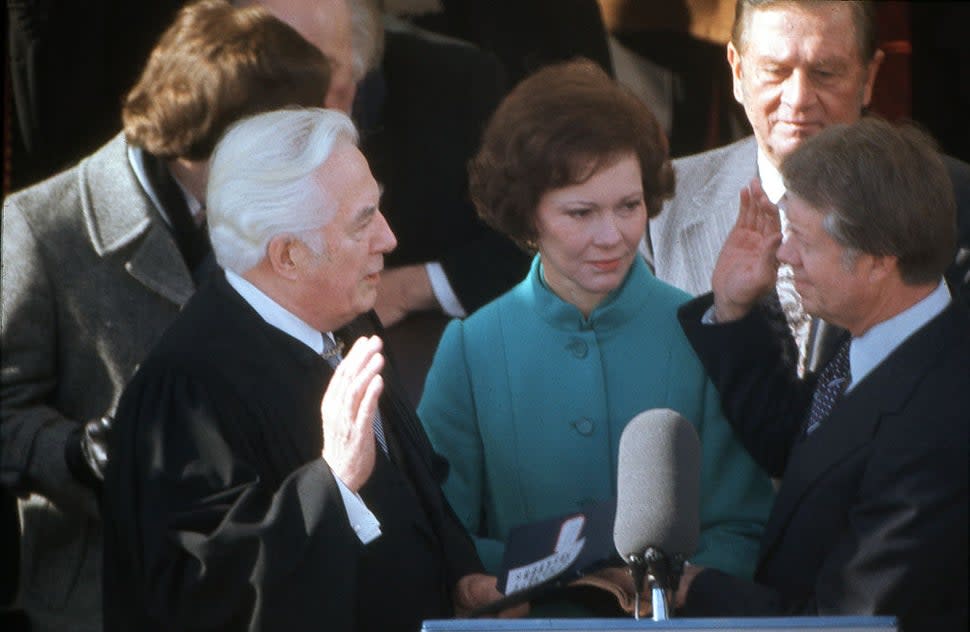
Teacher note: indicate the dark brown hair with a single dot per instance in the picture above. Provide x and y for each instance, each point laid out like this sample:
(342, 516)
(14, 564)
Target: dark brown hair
(556, 128)
(213, 66)
(885, 191)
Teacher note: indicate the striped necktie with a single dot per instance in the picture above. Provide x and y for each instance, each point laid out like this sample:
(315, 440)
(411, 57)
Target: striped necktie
(332, 354)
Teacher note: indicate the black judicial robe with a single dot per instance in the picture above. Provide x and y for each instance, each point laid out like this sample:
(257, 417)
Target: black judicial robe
(220, 513)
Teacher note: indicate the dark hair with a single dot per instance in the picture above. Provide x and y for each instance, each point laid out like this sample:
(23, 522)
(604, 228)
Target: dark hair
(863, 15)
(213, 66)
(556, 128)
(886, 192)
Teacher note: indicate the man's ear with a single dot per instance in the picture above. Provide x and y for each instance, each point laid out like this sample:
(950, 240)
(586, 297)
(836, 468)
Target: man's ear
(871, 70)
(734, 60)
(881, 267)
(286, 254)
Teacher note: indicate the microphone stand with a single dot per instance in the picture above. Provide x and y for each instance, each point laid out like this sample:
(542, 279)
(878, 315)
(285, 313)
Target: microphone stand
(638, 569)
(664, 574)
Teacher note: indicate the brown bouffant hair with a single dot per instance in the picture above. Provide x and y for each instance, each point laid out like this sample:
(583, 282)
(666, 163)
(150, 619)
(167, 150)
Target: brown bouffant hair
(884, 190)
(556, 128)
(213, 66)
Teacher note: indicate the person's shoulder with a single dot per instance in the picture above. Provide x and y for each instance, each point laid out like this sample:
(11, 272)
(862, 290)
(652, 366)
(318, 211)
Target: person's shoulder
(60, 194)
(486, 323)
(958, 169)
(666, 294)
(49, 197)
(404, 35)
(425, 56)
(743, 149)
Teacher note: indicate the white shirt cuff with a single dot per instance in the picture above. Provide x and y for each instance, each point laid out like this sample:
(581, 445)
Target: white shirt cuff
(364, 523)
(708, 317)
(443, 292)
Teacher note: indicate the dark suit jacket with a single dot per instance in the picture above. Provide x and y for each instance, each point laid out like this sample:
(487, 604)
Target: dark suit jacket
(419, 129)
(871, 515)
(220, 513)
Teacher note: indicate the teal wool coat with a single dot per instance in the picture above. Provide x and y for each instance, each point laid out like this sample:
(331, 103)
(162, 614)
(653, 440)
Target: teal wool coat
(527, 400)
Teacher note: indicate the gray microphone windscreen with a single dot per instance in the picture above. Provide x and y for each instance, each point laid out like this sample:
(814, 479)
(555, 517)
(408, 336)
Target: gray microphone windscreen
(658, 485)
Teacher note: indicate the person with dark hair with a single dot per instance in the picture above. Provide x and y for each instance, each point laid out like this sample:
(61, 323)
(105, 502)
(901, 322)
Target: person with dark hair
(871, 513)
(539, 384)
(96, 263)
(267, 478)
(797, 68)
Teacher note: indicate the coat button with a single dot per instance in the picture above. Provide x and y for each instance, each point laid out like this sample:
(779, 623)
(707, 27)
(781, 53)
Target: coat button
(583, 426)
(577, 347)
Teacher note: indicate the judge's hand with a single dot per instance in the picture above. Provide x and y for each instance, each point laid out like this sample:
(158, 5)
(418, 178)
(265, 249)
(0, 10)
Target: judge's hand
(476, 589)
(402, 291)
(690, 572)
(347, 413)
(747, 266)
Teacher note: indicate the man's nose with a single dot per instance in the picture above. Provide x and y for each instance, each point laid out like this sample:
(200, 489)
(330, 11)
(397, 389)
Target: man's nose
(386, 241)
(798, 91)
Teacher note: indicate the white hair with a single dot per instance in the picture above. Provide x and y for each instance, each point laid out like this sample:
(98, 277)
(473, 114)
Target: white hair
(261, 181)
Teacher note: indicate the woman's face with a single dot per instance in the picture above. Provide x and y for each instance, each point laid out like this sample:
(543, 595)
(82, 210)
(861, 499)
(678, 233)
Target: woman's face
(588, 233)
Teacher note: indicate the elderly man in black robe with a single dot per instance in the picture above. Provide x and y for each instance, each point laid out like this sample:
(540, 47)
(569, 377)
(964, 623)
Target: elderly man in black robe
(262, 477)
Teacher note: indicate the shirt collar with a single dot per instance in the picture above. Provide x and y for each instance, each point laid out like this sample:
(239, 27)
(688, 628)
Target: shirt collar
(773, 185)
(771, 180)
(870, 349)
(136, 158)
(275, 314)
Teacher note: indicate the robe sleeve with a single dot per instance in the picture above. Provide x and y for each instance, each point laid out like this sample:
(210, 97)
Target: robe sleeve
(210, 543)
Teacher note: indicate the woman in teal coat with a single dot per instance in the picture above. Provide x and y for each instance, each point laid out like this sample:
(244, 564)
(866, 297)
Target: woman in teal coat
(527, 398)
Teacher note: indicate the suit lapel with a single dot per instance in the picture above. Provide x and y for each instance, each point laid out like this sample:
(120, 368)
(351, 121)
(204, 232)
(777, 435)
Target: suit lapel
(118, 213)
(690, 232)
(728, 175)
(854, 421)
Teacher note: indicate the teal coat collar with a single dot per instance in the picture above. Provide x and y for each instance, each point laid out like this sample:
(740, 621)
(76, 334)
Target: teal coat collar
(617, 309)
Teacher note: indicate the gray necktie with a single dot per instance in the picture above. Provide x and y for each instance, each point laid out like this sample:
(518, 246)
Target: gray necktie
(331, 353)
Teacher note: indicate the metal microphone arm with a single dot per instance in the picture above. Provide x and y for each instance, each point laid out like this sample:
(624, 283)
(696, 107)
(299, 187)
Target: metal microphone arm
(664, 573)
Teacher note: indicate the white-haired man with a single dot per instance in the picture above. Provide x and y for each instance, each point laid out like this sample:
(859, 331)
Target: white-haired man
(239, 499)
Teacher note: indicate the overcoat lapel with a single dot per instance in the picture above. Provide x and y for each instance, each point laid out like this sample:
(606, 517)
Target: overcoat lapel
(692, 228)
(118, 213)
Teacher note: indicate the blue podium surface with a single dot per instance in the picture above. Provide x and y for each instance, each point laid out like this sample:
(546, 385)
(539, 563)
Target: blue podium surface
(765, 624)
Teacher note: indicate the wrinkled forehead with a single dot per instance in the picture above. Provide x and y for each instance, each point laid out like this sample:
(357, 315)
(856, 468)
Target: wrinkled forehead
(831, 26)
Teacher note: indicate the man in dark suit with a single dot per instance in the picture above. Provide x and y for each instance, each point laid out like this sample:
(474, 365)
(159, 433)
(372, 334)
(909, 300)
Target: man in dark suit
(421, 102)
(871, 515)
(254, 486)
(98, 261)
